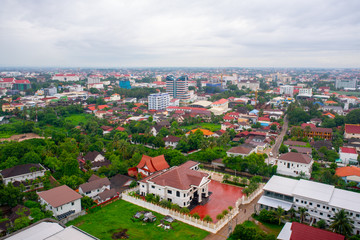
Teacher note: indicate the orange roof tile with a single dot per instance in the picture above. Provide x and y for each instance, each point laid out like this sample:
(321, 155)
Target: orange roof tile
(204, 131)
(348, 171)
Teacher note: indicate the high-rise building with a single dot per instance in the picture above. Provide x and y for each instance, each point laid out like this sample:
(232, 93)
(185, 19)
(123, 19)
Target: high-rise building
(305, 92)
(178, 87)
(345, 83)
(159, 101)
(287, 90)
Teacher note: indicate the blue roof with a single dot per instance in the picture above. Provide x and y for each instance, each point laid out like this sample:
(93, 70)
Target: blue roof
(254, 111)
(320, 103)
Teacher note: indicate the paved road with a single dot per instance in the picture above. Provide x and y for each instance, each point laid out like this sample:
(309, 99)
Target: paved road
(244, 214)
(279, 139)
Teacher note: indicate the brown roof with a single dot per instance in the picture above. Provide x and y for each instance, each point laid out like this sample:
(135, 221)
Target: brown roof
(295, 157)
(171, 138)
(95, 184)
(59, 196)
(180, 177)
(93, 177)
(120, 182)
(153, 163)
(20, 170)
(243, 149)
(107, 194)
(91, 155)
(294, 143)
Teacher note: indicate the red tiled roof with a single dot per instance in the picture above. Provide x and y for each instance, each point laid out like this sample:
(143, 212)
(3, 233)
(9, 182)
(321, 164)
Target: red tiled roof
(264, 119)
(228, 118)
(100, 107)
(221, 101)
(301, 231)
(120, 129)
(153, 164)
(23, 81)
(348, 150)
(348, 171)
(352, 128)
(92, 108)
(308, 124)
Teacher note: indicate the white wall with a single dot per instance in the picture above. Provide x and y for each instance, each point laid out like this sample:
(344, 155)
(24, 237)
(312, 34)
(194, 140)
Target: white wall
(293, 168)
(75, 205)
(23, 177)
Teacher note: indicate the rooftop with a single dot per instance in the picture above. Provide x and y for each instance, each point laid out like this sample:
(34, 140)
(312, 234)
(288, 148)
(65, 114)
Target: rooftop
(59, 196)
(153, 164)
(20, 170)
(296, 157)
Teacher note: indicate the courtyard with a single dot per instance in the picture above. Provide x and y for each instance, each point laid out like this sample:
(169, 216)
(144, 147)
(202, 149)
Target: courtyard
(223, 196)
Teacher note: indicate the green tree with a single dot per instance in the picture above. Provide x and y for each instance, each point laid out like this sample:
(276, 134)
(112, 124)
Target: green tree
(341, 223)
(207, 218)
(321, 224)
(302, 213)
(279, 214)
(353, 117)
(219, 216)
(283, 149)
(196, 215)
(87, 202)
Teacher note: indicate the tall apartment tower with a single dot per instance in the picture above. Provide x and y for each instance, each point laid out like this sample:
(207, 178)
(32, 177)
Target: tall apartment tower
(159, 101)
(345, 83)
(178, 87)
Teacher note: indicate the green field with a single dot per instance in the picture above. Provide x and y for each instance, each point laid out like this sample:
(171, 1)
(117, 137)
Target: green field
(273, 228)
(77, 118)
(210, 126)
(6, 134)
(357, 94)
(117, 215)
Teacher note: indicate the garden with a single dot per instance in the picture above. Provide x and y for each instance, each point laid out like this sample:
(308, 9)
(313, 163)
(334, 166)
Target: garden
(117, 218)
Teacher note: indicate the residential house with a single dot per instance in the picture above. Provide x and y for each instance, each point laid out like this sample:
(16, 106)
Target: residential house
(321, 200)
(352, 131)
(242, 150)
(171, 141)
(120, 182)
(205, 132)
(95, 159)
(295, 230)
(348, 155)
(324, 133)
(155, 130)
(94, 186)
(349, 174)
(149, 165)
(294, 164)
(106, 129)
(62, 201)
(181, 185)
(336, 109)
(23, 174)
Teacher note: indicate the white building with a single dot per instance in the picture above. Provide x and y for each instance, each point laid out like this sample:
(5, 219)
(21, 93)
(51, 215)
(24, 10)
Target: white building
(305, 91)
(94, 186)
(346, 84)
(180, 185)
(21, 173)
(66, 77)
(62, 201)
(321, 200)
(348, 155)
(293, 164)
(287, 90)
(251, 84)
(159, 101)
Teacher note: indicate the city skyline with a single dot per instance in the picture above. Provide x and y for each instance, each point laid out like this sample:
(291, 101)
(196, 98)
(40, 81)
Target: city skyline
(318, 34)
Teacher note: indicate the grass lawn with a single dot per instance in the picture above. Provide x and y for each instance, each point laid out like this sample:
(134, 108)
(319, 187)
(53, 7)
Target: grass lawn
(273, 228)
(77, 118)
(357, 94)
(117, 215)
(210, 126)
(6, 134)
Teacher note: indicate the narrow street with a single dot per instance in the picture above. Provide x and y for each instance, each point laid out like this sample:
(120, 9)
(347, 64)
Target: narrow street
(279, 139)
(245, 212)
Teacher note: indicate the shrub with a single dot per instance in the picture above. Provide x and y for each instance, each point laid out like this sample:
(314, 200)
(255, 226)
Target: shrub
(267, 216)
(219, 216)
(225, 212)
(196, 215)
(207, 218)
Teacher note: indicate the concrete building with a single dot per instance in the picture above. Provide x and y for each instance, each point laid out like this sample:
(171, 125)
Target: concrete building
(51, 91)
(287, 90)
(158, 101)
(352, 131)
(178, 87)
(348, 155)
(321, 200)
(62, 201)
(251, 84)
(66, 77)
(181, 185)
(346, 84)
(305, 91)
(22, 173)
(294, 164)
(94, 186)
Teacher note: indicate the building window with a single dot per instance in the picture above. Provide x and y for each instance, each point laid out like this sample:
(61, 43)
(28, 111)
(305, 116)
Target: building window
(297, 200)
(302, 201)
(357, 215)
(310, 203)
(177, 193)
(321, 213)
(333, 209)
(318, 205)
(169, 192)
(72, 204)
(152, 186)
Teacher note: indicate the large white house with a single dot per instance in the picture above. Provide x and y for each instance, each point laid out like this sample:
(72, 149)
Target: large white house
(180, 185)
(22, 173)
(62, 201)
(294, 164)
(67, 77)
(321, 200)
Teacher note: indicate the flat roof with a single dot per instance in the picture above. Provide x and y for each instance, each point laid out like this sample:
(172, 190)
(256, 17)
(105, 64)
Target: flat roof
(346, 200)
(275, 203)
(281, 185)
(38, 232)
(313, 190)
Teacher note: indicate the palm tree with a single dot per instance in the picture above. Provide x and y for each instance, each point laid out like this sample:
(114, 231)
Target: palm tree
(207, 218)
(196, 215)
(279, 214)
(291, 213)
(341, 223)
(219, 216)
(303, 213)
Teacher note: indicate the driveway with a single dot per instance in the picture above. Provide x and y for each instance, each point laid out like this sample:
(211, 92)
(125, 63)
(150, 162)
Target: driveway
(279, 139)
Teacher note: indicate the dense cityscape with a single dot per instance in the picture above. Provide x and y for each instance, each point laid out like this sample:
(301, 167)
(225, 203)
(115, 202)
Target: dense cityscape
(178, 120)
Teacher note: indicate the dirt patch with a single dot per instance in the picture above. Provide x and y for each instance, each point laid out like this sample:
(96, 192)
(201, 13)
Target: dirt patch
(79, 224)
(21, 137)
(120, 234)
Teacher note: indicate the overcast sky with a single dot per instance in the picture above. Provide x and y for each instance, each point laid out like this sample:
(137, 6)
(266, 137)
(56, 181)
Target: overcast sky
(194, 33)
